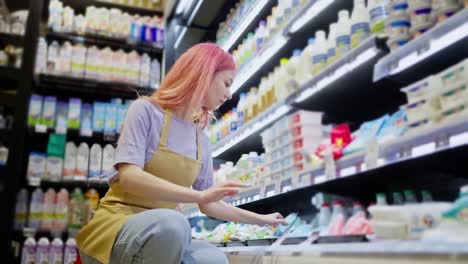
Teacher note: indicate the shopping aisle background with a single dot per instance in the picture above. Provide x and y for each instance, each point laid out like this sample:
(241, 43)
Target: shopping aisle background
(326, 119)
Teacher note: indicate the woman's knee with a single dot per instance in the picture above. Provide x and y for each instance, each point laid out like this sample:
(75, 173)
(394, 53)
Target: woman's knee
(170, 224)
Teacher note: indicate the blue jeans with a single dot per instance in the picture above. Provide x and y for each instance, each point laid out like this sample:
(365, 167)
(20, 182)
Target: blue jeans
(160, 236)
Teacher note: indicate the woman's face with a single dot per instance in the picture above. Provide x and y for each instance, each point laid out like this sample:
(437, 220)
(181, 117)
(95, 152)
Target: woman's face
(219, 92)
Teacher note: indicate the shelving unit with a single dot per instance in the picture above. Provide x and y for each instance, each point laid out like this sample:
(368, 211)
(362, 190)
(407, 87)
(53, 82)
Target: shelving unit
(133, 10)
(12, 39)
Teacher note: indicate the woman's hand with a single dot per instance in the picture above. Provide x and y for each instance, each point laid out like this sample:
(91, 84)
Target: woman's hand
(220, 191)
(272, 219)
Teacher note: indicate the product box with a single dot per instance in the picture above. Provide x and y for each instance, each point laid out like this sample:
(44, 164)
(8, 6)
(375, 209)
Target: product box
(99, 113)
(35, 109)
(48, 113)
(122, 111)
(86, 119)
(61, 117)
(110, 118)
(74, 113)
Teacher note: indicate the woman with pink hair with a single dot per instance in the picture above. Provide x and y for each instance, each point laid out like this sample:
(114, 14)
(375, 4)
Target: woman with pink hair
(162, 159)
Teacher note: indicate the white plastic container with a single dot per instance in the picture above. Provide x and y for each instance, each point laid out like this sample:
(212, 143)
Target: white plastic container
(343, 33)
(71, 251)
(48, 210)
(69, 167)
(35, 208)
(319, 54)
(61, 210)
(21, 209)
(95, 162)
(417, 110)
(28, 255)
(305, 64)
(108, 157)
(56, 251)
(360, 29)
(82, 161)
(377, 15)
(331, 42)
(42, 250)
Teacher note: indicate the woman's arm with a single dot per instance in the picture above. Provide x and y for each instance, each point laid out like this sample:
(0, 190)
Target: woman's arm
(136, 181)
(226, 212)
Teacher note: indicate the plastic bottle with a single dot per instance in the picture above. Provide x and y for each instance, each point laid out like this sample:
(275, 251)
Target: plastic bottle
(331, 41)
(282, 78)
(305, 65)
(426, 196)
(70, 252)
(360, 29)
(338, 208)
(319, 57)
(381, 199)
(241, 107)
(459, 208)
(28, 255)
(357, 207)
(398, 198)
(69, 167)
(324, 216)
(77, 210)
(261, 34)
(92, 204)
(82, 161)
(61, 210)
(95, 161)
(56, 251)
(55, 16)
(155, 74)
(377, 15)
(48, 209)
(292, 70)
(41, 56)
(410, 197)
(21, 209)
(35, 208)
(343, 33)
(52, 57)
(145, 69)
(42, 250)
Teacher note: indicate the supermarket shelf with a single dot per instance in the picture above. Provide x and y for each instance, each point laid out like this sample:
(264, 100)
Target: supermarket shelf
(255, 65)
(13, 39)
(97, 184)
(9, 73)
(102, 41)
(81, 5)
(252, 129)
(346, 67)
(403, 162)
(440, 39)
(71, 85)
(313, 11)
(246, 23)
(457, 251)
(74, 135)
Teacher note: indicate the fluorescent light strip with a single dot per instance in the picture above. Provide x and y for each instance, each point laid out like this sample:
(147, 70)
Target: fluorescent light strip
(181, 36)
(244, 24)
(257, 63)
(436, 45)
(254, 128)
(312, 12)
(194, 12)
(338, 73)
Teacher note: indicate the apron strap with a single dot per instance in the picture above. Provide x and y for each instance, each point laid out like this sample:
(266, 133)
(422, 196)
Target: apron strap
(165, 129)
(199, 146)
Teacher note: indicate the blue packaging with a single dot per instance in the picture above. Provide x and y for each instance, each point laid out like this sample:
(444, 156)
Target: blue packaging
(86, 117)
(49, 111)
(367, 132)
(35, 109)
(395, 126)
(62, 115)
(99, 114)
(74, 113)
(110, 124)
(122, 111)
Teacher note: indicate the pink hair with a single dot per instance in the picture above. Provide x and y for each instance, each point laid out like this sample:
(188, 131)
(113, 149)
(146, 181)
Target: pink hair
(188, 81)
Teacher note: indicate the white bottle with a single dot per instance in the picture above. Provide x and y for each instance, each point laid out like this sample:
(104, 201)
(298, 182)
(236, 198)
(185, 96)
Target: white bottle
(52, 57)
(304, 73)
(69, 167)
(41, 56)
(42, 250)
(319, 57)
(70, 253)
(260, 35)
(56, 251)
(55, 15)
(145, 69)
(360, 29)
(92, 63)
(293, 71)
(35, 208)
(155, 75)
(64, 62)
(95, 161)
(61, 210)
(28, 255)
(331, 51)
(21, 209)
(241, 107)
(338, 209)
(48, 209)
(377, 15)
(343, 32)
(325, 215)
(108, 157)
(82, 161)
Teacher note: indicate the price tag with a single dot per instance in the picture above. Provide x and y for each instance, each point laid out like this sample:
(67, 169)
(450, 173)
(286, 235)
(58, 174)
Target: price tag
(39, 128)
(35, 182)
(348, 171)
(61, 130)
(320, 179)
(256, 197)
(86, 132)
(458, 140)
(380, 162)
(286, 188)
(423, 149)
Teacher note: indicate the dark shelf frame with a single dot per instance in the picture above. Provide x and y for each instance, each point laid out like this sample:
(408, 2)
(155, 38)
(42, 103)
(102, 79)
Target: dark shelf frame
(13, 39)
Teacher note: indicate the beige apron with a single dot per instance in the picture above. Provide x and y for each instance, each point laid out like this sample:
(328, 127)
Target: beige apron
(97, 237)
